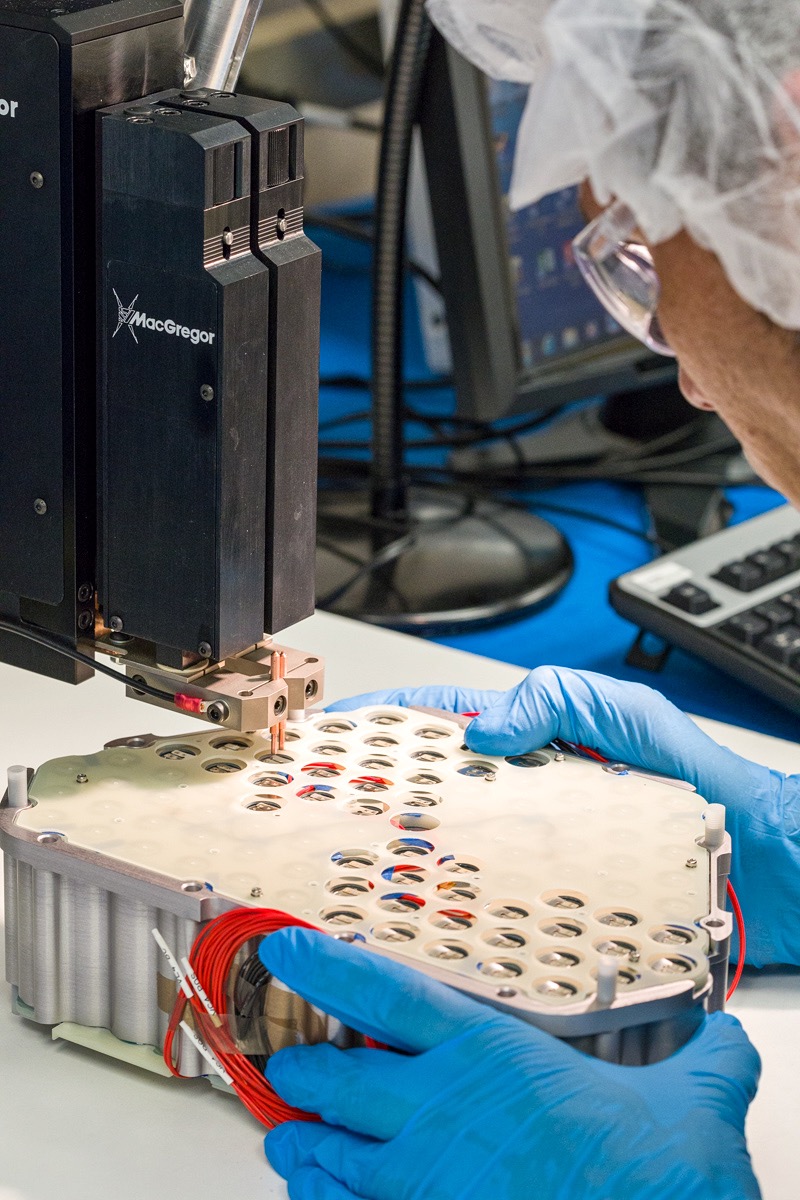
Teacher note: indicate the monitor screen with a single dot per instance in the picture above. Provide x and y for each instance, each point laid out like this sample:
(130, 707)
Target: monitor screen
(557, 314)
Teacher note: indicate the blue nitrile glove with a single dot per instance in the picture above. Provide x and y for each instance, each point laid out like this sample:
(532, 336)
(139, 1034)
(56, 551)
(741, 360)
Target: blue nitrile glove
(488, 1108)
(634, 724)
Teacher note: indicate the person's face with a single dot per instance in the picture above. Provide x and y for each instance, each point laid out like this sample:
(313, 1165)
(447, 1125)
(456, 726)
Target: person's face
(732, 359)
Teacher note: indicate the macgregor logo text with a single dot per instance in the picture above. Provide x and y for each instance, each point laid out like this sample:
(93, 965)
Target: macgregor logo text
(8, 108)
(130, 317)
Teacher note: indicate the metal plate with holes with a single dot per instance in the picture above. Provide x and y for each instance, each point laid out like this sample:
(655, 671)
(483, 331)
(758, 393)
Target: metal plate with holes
(508, 878)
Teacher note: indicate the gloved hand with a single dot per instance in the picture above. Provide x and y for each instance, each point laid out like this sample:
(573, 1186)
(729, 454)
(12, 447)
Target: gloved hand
(489, 1108)
(636, 725)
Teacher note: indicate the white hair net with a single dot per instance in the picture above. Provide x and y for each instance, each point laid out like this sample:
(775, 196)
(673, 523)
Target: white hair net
(686, 110)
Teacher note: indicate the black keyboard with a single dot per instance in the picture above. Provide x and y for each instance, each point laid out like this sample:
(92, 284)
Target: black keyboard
(732, 599)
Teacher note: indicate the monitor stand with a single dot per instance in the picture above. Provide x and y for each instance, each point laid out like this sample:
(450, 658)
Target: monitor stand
(451, 565)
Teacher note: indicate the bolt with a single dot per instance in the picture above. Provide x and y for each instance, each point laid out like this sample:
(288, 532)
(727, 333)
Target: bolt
(559, 757)
(37, 180)
(85, 620)
(204, 650)
(85, 593)
(691, 863)
(81, 778)
(280, 706)
(312, 688)
(227, 237)
(217, 712)
(40, 507)
(116, 624)
(207, 393)
(256, 893)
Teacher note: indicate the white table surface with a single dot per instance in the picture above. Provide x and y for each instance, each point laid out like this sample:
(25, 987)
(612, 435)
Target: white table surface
(77, 1126)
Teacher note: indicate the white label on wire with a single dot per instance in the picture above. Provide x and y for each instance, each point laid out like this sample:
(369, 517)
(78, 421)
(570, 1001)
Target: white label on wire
(207, 1054)
(200, 991)
(173, 962)
(662, 576)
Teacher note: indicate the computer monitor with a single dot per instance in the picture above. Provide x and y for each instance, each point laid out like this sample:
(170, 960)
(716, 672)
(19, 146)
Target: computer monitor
(530, 335)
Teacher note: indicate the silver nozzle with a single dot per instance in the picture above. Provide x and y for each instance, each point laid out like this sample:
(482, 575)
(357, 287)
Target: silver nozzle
(218, 33)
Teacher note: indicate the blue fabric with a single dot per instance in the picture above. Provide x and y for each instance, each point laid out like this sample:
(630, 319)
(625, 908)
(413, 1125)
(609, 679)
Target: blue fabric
(580, 629)
(635, 724)
(483, 1105)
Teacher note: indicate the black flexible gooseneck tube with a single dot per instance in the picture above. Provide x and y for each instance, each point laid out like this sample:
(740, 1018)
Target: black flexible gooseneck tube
(402, 103)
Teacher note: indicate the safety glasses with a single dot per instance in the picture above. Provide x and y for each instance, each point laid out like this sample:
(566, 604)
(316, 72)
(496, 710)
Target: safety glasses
(619, 269)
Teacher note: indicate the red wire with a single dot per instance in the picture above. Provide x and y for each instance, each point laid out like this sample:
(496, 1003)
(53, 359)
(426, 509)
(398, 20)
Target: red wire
(737, 912)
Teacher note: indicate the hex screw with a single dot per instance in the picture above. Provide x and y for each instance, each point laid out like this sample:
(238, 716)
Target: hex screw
(280, 706)
(227, 238)
(691, 863)
(37, 180)
(116, 624)
(207, 393)
(217, 712)
(40, 507)
(85, 593)
(558, 757)
(256, 893)
(205, 650)
(81, 778)
(311, 689)
(85, 620)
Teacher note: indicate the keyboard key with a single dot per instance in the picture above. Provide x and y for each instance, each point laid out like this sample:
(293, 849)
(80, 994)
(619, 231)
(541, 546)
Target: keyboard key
(775, 613)
(790, 549)
(744, 576)
(746, 628)
(782, 646)
(773, 564)
(690, 599)
(792, 601)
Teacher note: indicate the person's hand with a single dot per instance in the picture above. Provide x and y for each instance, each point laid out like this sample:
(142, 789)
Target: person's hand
(633, 724)
(482, 1106)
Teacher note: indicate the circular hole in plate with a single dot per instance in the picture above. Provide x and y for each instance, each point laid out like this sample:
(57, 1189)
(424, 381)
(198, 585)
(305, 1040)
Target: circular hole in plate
(506, 939)
(386, 719)
(271, 779)
(404, 874)
(419, 800)
(231, 745)
(424, 778)
(192, 885)
(409, 847)
(350, 859)
(478, 770)
(292, 735)
(618, 918)
(412, 822)
(49, 838)
(401, 902)
(617, 948)
(428, 756)
(344, 914)
(377, 763)
(335, 725)
(329, 750)
(457, 889)
(178, 753)
(323, 770)
(671, 964)
(447, 951)
(453, 918)
(367, 808)
(224, 766)
(507, 910)
(566, 899)
(381, 741)
(556, 989)
(265, 803)
(528, 760)
(277, 760)
(625, 976)
(432, 733)
(370, 783)
(317, 792)
(562, 929)
(501, 968)
(458, 866)
(561, 960)
(394, 931)
(349, 886)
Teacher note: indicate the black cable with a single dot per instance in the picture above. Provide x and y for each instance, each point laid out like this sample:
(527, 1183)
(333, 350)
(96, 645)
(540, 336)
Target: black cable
(346, 228)
(347, 43)
(403, 95)
(50, 642)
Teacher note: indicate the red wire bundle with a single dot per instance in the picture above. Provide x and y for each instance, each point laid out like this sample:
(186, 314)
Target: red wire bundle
(212, 958)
